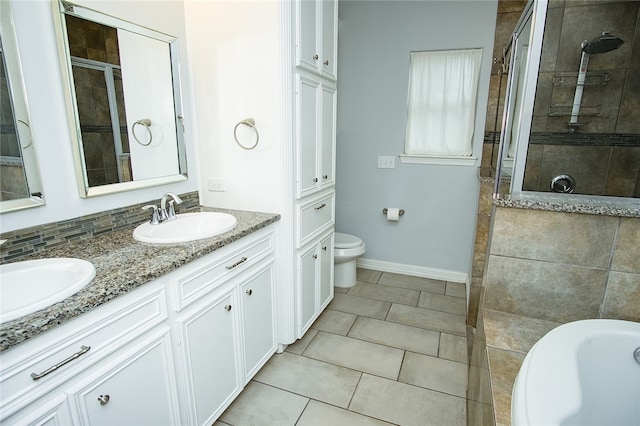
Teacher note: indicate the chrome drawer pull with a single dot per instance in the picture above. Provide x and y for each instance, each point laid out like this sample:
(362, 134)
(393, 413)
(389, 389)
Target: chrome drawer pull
(320, 206)
(104, 399)
(244, 259)
(83, 350)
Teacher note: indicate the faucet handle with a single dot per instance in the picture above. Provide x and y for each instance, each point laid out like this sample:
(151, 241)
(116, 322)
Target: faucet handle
(171, 211)
(154, 215)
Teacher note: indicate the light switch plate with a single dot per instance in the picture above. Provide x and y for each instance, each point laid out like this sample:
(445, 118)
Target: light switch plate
(386, 162)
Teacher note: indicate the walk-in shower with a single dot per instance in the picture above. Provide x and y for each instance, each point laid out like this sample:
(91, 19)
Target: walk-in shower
(601, 44)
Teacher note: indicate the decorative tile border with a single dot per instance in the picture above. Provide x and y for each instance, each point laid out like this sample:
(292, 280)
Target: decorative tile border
(27, 241)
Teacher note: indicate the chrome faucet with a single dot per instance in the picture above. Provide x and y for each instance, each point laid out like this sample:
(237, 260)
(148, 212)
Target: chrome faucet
(170, 214)
(163, 214)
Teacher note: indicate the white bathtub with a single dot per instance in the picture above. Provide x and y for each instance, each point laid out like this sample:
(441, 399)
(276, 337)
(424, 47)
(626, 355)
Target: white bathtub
(580, 373)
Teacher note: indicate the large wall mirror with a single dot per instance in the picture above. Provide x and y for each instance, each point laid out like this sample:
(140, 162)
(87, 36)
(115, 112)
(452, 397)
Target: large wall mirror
(19, 175)
(571, 129)
(124, 101)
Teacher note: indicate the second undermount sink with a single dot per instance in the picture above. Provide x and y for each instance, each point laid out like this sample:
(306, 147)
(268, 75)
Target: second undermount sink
(29, 286)
(186, 227)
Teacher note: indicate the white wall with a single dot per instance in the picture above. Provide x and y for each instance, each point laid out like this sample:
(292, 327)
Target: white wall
(235, 51)
(375, 39)
(43, 81)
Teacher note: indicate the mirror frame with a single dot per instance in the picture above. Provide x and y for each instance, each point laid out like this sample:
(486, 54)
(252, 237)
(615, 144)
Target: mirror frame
(18, 91)
(62, 8)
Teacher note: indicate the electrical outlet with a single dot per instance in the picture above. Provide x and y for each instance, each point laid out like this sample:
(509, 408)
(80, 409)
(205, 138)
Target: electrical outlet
(216, 184)
(386, 162)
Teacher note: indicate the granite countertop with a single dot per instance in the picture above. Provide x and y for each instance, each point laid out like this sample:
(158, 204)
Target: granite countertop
(122, 264)
(509, 337)
(604, 208)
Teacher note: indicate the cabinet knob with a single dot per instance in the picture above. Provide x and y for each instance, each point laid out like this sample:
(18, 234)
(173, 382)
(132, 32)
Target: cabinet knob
(227, 308)
(316, 57)
(249, 292)
(326, 62)
(325, 177)
(324, 248)
(104, 399)
(315, 180)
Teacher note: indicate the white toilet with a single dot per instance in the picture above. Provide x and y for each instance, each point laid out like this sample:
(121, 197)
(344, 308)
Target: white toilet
(346, 250)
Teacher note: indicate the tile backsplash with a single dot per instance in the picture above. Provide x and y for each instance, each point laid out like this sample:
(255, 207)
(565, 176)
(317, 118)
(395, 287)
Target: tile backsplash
(24, 242)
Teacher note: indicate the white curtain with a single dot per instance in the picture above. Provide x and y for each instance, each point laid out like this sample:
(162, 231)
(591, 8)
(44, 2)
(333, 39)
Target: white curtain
(442, 102)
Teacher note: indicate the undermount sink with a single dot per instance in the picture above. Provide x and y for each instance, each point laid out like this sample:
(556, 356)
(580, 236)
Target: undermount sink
(29, 286)
(186, 227)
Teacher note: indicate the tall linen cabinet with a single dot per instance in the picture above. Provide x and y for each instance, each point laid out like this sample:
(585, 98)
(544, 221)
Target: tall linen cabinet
(275, 62)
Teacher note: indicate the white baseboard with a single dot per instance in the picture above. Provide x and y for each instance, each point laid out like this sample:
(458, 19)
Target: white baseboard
(416, 271)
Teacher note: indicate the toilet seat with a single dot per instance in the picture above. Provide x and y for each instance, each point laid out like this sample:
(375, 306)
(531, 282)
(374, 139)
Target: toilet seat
(346, 241)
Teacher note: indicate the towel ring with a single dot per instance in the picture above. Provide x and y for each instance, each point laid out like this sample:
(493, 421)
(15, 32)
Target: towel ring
(144, 122)
(250, 122)
(29, 127)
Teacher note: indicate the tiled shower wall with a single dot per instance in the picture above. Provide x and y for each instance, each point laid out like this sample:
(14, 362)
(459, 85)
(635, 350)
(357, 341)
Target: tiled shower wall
(601, 164)
(546, 268)
(573, 266)
(568, 24)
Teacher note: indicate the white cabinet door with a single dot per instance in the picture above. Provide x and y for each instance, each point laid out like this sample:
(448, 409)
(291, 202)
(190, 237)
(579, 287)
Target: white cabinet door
(316, 37)
(328, 137)
(136, 386)
(307, 134)
(209, 342)
(315, 281)
(258, 318)
(306, 288)
(326, 271)
(315, 135)
(46, 411)
(329, 38)
(306, 34)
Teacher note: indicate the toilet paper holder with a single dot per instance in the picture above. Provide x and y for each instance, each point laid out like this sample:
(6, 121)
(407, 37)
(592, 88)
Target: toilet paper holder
(385, 210)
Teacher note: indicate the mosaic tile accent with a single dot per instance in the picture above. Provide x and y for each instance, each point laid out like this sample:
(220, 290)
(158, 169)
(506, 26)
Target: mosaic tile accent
(27, 241)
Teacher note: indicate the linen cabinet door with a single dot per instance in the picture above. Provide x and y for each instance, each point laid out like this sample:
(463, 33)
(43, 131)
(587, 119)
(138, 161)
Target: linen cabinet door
(306, 288)
(307, 135)
(329, 38)
(209, 339)
(328, 137)
(326, 271)
(137, 387)
(307, 29)
(258, 319)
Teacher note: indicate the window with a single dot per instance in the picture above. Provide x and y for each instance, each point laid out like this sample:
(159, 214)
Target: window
(442, 102)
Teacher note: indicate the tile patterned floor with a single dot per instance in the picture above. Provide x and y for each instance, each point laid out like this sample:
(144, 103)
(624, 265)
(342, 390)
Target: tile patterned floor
(389, 351)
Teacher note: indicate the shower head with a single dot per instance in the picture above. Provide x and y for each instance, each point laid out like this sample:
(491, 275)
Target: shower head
(602, 44)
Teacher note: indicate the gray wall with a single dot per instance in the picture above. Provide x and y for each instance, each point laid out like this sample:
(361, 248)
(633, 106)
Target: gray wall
(375, 39)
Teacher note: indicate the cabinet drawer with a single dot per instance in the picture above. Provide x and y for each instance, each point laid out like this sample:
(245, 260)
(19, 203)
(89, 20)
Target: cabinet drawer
(314, 217)
(193, 286)
(102, 333)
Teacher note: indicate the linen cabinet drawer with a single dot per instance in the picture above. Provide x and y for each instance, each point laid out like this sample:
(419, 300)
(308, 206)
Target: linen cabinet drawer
(208, 276)
(314, 217)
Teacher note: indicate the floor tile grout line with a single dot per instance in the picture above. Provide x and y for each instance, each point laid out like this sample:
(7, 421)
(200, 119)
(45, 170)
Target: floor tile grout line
(302, 412)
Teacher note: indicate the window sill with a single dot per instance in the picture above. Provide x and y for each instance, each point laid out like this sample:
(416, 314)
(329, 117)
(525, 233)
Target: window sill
(447, 160)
